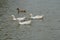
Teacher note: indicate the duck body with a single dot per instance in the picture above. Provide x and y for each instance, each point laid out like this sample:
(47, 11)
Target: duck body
(25, 22)
(19, 19)
(37, 16)
(21, 10)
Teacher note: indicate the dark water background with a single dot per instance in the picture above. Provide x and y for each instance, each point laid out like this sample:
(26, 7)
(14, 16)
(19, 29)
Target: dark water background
(49, 29)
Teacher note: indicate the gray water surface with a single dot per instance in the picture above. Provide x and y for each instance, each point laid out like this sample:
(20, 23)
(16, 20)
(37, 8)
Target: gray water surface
(49, 29)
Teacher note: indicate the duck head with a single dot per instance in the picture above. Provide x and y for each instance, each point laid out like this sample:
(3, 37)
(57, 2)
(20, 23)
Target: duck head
(30, 14)
(13, 17)
(17, 9)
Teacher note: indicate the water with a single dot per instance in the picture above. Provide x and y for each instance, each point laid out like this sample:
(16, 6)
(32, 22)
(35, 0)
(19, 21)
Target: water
(49, 29)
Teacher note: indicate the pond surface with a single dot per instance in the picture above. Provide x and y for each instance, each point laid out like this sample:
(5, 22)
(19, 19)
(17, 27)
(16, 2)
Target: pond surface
(49, 29)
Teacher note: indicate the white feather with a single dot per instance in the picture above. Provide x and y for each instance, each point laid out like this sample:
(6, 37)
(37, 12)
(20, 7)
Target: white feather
(25, 22)
(19, 19)
(36, 17)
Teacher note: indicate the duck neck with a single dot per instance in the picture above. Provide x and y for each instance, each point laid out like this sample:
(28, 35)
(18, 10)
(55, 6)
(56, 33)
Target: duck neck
(14, 18)
(30, 15)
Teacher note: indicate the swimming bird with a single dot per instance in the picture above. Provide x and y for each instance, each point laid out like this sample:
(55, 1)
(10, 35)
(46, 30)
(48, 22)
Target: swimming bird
(25, 22)
(21, 10)
(19, 19)
(36, 17)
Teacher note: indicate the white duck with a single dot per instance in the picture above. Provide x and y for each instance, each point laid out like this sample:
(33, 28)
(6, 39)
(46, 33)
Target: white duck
(25, 22)
(19, 19)
(36, 17)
